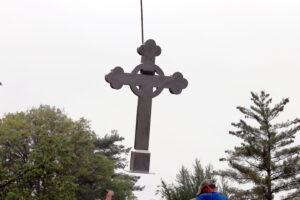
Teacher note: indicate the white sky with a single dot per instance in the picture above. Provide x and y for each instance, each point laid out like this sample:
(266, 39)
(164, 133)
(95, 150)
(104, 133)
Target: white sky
(57, 52)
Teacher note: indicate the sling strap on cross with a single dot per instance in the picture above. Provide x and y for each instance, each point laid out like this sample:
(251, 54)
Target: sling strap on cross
(146, 81)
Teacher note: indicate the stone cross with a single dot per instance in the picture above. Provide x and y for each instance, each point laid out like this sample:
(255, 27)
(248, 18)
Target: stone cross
(146, 81)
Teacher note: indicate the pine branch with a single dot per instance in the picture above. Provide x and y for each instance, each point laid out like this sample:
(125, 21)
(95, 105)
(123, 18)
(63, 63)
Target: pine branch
(293, 195)
(286, 153)
(278, 108)
(287, 185)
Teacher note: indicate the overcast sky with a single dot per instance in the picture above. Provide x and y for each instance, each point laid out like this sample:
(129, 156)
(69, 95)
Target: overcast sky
(57, 52)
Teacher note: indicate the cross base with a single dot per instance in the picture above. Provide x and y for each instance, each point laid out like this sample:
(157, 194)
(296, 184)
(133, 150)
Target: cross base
(140, 161)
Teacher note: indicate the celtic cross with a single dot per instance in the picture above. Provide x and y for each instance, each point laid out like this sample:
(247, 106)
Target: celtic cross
(146, 81)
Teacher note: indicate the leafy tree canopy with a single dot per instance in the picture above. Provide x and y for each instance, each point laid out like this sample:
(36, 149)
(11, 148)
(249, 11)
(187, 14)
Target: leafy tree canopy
(46, 155)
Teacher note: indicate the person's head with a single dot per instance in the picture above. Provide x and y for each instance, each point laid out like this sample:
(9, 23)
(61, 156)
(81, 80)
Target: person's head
(207, 186)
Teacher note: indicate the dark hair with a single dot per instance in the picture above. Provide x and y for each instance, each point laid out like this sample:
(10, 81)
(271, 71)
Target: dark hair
(213, 186)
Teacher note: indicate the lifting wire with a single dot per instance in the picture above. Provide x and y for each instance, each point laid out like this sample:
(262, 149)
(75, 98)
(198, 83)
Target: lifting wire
(142, 21)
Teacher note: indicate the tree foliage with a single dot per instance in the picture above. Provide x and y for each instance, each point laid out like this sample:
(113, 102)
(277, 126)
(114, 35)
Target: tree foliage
(187, 183)
(267, 157)
(46, 155)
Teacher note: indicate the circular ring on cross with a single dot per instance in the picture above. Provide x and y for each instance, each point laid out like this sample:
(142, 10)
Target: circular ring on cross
(136, 89)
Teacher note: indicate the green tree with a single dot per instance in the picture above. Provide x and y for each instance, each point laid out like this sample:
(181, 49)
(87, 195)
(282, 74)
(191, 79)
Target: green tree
(187, 183)
(36, 158)
(267, 158)
(110, 146)
(46, 155)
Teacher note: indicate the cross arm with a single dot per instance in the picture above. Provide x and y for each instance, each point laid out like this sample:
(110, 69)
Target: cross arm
(176, 83)
(117, 78)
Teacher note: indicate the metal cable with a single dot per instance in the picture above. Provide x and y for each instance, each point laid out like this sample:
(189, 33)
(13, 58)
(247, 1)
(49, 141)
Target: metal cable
(142, 21)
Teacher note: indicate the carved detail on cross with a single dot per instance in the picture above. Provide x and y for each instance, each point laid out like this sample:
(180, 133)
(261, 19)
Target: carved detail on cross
(146, 81)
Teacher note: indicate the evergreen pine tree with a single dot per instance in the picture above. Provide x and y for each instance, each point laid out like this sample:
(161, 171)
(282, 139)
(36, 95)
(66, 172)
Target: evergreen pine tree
(267, 157)
(188, 182)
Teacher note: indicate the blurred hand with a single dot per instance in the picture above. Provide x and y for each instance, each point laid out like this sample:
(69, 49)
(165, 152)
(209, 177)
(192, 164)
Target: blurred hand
(110, 193)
